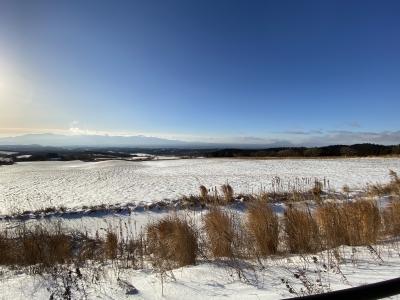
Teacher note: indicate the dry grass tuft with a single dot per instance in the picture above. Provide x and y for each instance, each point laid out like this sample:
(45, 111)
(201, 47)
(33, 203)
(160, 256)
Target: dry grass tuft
(227, 190)
(220, 233)
(8, 255)
(302, 234)
(317, 191)
(39, 245)
(391, 188)
(346, 189)
(87, 248)
(263, 227)
(332, 225)
(203, 192)
(394, 183)
(173, 242)
(192, 200)
(363, 222)
(111, 244)
(391, 219)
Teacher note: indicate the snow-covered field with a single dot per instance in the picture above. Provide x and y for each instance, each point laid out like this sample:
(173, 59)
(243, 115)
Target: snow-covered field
(36, 185)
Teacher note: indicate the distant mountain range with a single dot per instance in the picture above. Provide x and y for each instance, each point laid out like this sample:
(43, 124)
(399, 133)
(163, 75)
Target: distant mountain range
(59, 140)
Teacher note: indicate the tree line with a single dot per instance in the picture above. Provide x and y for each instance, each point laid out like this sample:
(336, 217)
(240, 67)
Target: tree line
(356, 150)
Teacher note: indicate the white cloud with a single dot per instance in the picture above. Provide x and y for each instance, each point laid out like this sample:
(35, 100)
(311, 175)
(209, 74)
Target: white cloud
(76, 130)
(350, 137)
(73, 123)
(303, 132)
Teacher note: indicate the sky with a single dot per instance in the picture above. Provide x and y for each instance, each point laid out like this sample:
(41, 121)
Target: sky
(208, 70)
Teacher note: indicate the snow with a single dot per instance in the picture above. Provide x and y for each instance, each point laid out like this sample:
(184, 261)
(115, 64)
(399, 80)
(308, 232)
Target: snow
(24, 156)
(36, 185)
(7, 153)
(219, 279)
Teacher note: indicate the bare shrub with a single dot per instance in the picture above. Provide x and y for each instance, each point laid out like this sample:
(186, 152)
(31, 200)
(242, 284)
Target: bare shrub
(227, 190)
(220, 233)
(173, 242)
(302, 234)
(263, 227)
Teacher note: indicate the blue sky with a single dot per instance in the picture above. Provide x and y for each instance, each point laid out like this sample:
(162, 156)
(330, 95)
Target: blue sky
(218, 71)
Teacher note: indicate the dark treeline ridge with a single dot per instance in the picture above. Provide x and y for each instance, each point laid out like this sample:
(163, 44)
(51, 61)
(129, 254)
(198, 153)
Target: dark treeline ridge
(39, 153)
(356, 150)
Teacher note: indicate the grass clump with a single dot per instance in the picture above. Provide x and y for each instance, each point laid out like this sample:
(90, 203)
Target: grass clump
(203, 193)
(173, 242)
(302, 234)
(87, 248)
(394, 185)
(111, 244)
(317, 191)
(38, 246)
(45, 246)
(391, 188)
(391, 219)
(227, 191)
(363, 222)
(263, 227)
(7, 253)
(219, 229)
(332, 224)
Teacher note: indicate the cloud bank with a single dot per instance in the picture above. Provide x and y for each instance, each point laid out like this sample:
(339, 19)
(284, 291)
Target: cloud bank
(350, 137)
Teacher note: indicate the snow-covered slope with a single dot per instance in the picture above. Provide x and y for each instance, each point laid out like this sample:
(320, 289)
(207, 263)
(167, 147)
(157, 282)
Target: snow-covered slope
(35, 185)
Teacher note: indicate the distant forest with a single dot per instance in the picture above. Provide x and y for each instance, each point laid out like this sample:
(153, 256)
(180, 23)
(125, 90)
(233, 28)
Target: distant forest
(357, 150)
(51, 153)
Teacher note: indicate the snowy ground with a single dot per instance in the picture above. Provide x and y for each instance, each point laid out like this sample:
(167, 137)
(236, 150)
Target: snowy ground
(36, 185)
(30, 186)
(278, 278)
